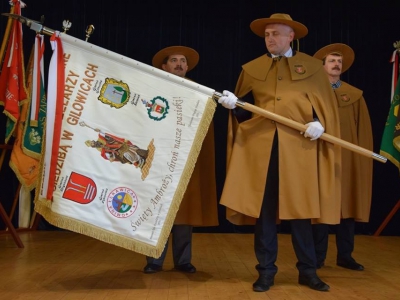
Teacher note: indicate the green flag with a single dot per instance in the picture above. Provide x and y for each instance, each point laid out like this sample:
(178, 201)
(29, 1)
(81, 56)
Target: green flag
(33, 130)
(390, 145)
(35, 120)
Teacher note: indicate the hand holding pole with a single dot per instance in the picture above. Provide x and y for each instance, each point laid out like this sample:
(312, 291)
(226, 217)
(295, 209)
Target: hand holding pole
(302, 128)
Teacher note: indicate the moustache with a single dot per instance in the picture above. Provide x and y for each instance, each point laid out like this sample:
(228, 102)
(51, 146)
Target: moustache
(336, 68)
(179, 68)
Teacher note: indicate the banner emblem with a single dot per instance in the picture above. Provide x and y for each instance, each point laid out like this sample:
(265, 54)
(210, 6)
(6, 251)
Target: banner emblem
(80, 189)
(157, 108)
(34, 137)
(114, 93)
(122, 202)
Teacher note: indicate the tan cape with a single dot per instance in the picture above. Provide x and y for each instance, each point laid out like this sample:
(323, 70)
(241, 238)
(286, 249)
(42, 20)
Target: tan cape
(356, 128)
(199, 204)
(309, 171)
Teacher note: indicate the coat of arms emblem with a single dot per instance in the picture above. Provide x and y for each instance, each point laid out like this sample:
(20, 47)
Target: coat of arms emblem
(114, 93)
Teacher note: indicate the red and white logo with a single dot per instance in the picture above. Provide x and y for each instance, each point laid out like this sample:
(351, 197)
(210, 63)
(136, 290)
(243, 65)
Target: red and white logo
(80, 189)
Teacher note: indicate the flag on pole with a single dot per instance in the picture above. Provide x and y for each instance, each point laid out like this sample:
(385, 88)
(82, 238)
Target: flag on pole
(33, 130)
(12, 78)
(390, 145)
(122, 139)
(25, 167)
(24, 160)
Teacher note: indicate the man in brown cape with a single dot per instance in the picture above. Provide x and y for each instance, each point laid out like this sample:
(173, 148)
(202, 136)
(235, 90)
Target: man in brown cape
(355, 127)
(273, 171)
(199, 204)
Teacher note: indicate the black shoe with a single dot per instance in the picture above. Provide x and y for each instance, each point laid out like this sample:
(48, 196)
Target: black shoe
(313, 282)
(187, 268)
(152, 268)
(263, 283)
(349, 264)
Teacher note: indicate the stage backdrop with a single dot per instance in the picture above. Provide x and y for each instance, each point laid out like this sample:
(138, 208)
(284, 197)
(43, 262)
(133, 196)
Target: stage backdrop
(122, 139)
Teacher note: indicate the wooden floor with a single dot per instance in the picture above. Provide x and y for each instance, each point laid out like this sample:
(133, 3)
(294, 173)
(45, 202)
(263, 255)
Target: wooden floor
(65, 265)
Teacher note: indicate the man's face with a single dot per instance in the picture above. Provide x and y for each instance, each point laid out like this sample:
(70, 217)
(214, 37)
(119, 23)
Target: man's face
(278, 38)
(176, 65)
(333, 65)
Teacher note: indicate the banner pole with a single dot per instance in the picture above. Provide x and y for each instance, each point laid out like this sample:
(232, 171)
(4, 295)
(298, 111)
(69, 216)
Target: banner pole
(5, 37)
(301, 127)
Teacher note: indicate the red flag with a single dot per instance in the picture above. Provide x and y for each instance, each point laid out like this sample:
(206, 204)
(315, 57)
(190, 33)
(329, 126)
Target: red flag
(12, 83)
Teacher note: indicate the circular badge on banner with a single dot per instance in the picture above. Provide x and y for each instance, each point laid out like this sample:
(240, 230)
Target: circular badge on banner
(122, 202)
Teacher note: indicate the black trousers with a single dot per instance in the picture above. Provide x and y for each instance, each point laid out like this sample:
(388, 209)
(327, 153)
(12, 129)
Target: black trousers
(344, 240)
(181, 246)
(265, 236)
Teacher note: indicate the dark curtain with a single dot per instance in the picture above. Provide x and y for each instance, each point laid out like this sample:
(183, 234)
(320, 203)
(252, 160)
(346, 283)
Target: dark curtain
(220, 32)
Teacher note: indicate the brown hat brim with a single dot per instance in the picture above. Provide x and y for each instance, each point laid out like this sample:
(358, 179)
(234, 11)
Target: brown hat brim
(345, 51)
(191, 55)
(258, 26)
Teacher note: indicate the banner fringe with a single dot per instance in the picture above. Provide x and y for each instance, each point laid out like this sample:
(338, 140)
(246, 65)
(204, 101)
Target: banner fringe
(187, 171)
(23, 180)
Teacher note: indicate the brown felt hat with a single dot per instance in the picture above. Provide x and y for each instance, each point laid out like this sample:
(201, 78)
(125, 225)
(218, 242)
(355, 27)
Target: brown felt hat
(258, 26)
(191, 55)
(342, 49)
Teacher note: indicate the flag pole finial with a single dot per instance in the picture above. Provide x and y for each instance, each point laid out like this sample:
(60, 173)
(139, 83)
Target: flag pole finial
(89, 31)
(66, 25)
(397, 45)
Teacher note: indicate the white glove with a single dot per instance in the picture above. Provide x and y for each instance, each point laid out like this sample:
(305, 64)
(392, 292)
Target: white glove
(314, 130)
(228, 100)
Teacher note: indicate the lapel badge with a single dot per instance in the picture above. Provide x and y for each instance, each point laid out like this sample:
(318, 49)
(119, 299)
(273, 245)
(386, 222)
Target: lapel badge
(345, 97)
(299, 69)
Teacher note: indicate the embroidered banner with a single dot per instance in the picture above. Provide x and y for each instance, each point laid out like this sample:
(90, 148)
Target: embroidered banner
(25, 154)
(390, 144)
(129, 136)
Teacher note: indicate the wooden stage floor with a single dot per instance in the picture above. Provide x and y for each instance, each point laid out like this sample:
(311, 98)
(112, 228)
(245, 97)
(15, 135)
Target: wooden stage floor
(65, 265)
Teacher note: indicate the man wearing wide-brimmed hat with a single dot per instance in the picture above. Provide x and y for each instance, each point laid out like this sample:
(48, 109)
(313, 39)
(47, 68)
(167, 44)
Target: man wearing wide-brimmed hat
(177, 60)
(355, 127)
(199, 204)
(274, 172)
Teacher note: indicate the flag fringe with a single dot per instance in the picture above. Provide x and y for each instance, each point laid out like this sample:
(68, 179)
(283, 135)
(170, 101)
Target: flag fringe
(187, 171)
(22, 179)
(43, 207)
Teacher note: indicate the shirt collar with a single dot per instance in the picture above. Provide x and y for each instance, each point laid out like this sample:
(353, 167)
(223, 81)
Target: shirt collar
(336, 85)
(288, 53)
